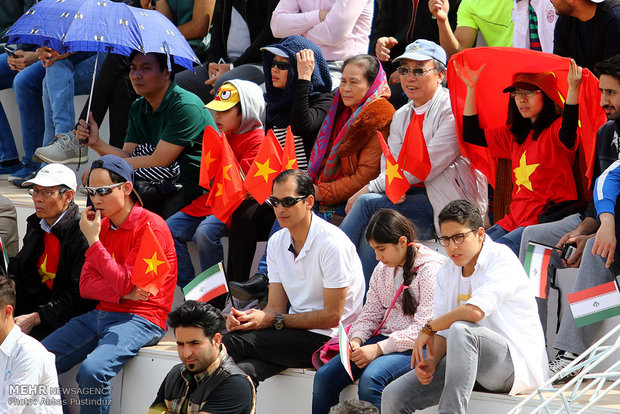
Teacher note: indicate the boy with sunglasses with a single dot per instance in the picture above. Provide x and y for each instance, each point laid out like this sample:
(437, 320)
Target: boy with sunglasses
(47, 268)
(314, 267)
(485, 325)
(126, 317)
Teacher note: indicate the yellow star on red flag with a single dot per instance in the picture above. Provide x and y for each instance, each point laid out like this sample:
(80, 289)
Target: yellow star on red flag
(152, 263)
(263, 170)
(391, 171)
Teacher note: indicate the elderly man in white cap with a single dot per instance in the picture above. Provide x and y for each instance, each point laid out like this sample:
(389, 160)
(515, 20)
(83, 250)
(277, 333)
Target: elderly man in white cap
(47, 268)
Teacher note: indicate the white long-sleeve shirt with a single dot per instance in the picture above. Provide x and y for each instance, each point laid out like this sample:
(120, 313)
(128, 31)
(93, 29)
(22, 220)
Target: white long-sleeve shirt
(28, 379)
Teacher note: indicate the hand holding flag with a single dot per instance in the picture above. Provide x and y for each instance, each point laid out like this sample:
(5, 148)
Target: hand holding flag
(344, 347)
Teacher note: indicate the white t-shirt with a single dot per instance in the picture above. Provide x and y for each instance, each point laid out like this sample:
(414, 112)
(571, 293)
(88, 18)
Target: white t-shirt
(500, 288)
(28, 379)
(328, 259)
(238, 36)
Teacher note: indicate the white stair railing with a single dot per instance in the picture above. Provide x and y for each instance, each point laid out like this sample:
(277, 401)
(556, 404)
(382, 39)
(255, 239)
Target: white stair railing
(584, 367)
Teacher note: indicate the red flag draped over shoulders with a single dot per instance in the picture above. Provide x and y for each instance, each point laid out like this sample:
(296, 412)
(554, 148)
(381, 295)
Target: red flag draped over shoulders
(501, 64)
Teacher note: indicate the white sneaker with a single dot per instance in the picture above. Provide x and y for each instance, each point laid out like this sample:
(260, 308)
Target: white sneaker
(561, 361)
(65, 149)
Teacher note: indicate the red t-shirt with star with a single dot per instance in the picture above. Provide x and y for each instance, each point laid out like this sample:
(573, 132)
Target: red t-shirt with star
(542, 171)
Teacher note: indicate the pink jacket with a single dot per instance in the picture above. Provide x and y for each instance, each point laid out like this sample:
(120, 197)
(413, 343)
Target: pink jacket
(401, 330)
(343, 33)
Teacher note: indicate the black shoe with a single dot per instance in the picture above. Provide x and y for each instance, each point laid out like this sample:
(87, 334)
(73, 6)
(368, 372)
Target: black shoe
(255, 288)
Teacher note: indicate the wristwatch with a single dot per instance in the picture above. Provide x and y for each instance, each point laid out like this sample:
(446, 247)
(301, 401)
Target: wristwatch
(428, 330)
(278, 322)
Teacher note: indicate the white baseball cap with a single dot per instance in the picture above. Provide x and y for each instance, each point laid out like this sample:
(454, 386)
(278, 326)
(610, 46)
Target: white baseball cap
(52, 175)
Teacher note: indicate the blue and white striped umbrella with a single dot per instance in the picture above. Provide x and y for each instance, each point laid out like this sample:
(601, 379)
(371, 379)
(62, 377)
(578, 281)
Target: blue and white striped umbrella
(101, 26)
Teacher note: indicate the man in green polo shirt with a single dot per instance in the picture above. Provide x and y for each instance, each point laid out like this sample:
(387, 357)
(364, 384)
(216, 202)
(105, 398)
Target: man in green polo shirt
(491, 18)
(167, 117)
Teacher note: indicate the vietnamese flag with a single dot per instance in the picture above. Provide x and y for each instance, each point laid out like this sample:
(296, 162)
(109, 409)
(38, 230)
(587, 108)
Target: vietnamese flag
(289, 158)
(396, 184)
(413, 156)
(227, 192)
(151, 267)
(211, 148)
(264, 169)
(501, 64)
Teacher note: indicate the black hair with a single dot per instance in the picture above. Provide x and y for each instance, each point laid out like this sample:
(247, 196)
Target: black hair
(520, 127)
(162, 60)
(305, 187)
(7, 292)
(388, 226)
(370, 65)
(610, 67)
(462, 212)
(354, 407)
(192, 314)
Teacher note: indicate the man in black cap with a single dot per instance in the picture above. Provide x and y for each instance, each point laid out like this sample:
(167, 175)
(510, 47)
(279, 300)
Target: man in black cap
(126, 317)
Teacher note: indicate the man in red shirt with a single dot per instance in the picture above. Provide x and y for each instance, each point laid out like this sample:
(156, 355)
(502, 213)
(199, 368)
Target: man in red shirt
(126, 317)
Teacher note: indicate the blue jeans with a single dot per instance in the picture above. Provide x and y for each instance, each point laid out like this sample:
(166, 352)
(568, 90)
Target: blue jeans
(416, 207)
(332, 378)
(511, 239)
(103, 342)
(474, 354)
(27, 86)
(183, 228)
(63, 80)
(207, 238)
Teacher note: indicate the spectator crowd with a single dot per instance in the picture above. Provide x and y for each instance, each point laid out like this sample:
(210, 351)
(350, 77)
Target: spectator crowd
(370, 127)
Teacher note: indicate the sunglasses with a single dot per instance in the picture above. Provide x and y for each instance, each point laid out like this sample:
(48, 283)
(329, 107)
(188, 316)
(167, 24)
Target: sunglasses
(286, 201)
(101, 191)
(280, 65)
(417, 72)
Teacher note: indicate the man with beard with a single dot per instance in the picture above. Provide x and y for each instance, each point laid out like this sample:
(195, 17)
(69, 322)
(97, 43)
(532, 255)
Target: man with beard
(207, 380)
(594, 238)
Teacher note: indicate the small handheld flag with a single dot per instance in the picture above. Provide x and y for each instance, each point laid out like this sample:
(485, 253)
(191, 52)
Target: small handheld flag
(344, 347)
(595, 304)
(151, 267)
(536, 265)
(208, 285)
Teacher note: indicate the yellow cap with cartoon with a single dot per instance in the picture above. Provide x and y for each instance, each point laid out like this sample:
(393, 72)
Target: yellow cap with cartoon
(226, 98)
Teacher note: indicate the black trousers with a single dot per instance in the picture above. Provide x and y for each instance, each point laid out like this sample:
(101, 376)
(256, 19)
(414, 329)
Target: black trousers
(267, 352)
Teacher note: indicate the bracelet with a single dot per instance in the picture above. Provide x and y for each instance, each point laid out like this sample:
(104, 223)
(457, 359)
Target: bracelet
(428, 330)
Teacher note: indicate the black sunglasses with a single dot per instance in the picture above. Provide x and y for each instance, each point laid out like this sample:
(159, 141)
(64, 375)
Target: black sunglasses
(280, 65)
(101, 191)
(286, 201)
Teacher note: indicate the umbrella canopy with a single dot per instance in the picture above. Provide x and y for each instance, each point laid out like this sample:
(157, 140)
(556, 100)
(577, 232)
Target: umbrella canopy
(101, 26)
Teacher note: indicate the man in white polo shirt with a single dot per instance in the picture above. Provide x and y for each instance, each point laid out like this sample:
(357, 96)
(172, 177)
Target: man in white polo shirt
(313, 266)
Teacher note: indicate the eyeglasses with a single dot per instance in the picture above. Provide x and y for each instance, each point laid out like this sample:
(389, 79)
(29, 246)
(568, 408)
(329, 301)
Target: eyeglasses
(280, 65)
(523, 93)
(101, 191)
(286, 201)
(35, 192)
(417, 72)
(458, 238)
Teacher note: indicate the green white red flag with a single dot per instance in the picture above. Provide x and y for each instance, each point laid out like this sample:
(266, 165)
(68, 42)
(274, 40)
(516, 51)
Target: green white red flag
(344, 346)
(537, 266)
(208, 285)
(595, 304)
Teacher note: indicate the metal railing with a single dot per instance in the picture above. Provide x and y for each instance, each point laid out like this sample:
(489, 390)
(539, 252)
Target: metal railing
(584, 368)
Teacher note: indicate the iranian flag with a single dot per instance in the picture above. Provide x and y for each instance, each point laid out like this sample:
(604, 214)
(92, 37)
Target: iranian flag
(536, 265)
(345, 350)
(208, 285)
(595, 304)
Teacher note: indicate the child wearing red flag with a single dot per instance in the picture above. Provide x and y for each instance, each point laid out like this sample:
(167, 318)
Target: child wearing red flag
(539, 139)
(239, 111)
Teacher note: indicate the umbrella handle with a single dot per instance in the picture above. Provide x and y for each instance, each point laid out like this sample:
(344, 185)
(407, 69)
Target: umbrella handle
(90, 96)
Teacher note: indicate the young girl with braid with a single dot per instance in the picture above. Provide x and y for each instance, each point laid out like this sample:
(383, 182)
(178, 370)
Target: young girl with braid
(398, 303)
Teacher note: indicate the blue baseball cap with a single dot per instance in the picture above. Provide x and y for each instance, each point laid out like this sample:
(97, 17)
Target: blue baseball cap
(423, 49)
